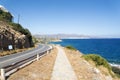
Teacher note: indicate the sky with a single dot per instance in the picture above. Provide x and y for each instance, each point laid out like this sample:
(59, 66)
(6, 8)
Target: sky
(86, 17)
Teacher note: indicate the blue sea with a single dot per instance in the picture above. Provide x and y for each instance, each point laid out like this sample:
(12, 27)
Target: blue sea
(107, 48)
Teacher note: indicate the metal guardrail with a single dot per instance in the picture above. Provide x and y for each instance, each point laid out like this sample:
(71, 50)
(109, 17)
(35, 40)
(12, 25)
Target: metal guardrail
(11, 68)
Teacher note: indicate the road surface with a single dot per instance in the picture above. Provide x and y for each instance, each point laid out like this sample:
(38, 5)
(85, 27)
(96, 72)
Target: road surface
(14, 58)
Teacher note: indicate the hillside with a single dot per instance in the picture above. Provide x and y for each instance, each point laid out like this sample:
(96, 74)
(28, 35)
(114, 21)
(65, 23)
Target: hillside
(12, 34)
(87, 69)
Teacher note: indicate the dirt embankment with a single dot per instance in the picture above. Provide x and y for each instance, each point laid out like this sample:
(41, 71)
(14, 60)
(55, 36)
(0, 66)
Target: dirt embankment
(87, 70)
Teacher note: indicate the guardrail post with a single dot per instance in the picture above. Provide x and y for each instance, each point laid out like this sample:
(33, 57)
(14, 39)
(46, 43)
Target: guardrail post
(50, 50)
(47, 51)
(2, 74)
(37, 57)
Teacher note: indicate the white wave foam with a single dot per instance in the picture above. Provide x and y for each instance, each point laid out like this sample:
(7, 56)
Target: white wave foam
(115, 65)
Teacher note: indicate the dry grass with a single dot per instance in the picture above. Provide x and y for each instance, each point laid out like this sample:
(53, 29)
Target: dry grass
(4, 53)
(79, 65)
(11, 52)
(38, 70)
(85, 70)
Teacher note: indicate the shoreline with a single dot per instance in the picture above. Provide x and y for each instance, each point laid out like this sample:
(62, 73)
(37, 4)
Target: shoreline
(58, 40)
(114, 65)
(111, 64)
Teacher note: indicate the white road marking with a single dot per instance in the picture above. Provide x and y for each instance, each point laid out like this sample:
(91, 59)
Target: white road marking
(19, 56)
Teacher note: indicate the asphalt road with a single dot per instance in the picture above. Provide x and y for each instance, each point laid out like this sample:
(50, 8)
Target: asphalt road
(14, 58)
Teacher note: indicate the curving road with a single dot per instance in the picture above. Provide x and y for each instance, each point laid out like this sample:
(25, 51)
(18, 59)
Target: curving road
(14, 58)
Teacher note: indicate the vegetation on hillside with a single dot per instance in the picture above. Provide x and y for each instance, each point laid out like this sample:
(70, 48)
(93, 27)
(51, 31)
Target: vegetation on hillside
(4, 53)
(70, 47)
(5, 16)
(99, 61)
(35, 40)
(22, 30)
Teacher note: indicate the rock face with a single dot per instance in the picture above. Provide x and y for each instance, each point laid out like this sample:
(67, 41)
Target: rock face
(12, 35)
(8, 36)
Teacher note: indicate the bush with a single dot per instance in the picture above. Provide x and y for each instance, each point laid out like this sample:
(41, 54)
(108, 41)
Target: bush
(34, 40)
(98, 60)
(71, 47)
(6, 16)
(19, 28)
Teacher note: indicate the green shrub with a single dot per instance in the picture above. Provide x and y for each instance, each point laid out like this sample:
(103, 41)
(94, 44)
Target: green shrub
(98, 60)
(71, 47)
(6, 16)
(19, 28)
(34, 40)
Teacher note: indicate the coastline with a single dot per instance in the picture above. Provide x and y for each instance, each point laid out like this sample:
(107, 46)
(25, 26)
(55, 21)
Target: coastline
(114, 65)
(57, 40)
(108, 48)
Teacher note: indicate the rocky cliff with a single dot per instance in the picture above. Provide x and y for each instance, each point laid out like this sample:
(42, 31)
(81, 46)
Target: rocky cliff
(9, 36)
(12, 35)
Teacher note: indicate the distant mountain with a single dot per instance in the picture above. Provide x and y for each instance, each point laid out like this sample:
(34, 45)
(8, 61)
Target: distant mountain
(75, 36)
(63, 36)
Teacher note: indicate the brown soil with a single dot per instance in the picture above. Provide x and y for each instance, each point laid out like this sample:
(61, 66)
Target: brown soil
(38, 70)
(85, 70)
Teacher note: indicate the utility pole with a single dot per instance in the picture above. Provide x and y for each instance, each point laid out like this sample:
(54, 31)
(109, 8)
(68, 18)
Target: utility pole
(1, 37)
(18, 18)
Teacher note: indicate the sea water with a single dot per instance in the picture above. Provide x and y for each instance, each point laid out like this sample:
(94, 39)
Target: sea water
(107, 48)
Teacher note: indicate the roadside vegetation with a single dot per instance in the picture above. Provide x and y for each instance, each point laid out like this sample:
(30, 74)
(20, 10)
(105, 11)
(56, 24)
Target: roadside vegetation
(5, 16)
(35, 40)
(70, 47)
(4, 53)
